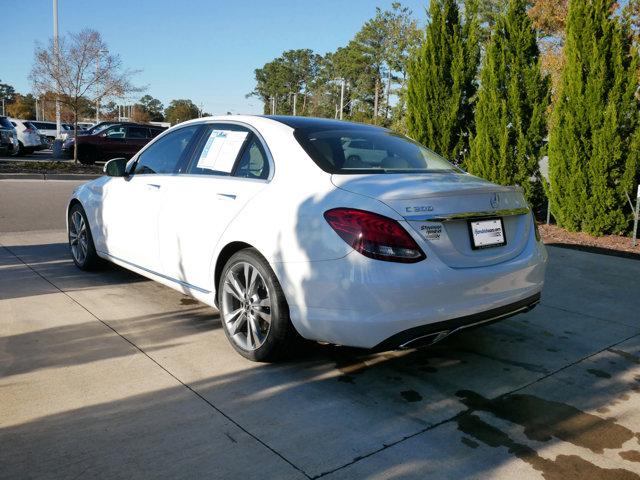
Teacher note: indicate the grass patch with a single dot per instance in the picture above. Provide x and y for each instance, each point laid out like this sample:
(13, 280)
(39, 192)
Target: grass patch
(49, 167)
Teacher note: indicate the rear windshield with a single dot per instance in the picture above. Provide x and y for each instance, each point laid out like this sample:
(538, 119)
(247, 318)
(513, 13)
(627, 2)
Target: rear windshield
(365, 150)
(5, 123)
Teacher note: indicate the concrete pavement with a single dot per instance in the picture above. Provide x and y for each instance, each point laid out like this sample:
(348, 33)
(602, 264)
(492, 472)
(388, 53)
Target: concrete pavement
(109, 375)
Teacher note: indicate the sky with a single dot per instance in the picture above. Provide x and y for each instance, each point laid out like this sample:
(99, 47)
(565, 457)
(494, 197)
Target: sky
(202, 50)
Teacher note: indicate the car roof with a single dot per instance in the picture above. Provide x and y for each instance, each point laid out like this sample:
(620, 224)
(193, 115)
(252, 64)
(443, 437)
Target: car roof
(312, 123)
(132, 124)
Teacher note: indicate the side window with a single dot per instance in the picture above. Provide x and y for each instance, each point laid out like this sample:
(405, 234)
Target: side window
(218, 149)
(115, 132)
(253, 163)
(137, 132)
(163, 155)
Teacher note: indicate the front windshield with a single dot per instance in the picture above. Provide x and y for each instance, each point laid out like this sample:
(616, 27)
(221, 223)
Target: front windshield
(369, 150)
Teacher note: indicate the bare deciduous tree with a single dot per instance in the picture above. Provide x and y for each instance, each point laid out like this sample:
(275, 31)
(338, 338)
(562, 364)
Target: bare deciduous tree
(80, 68)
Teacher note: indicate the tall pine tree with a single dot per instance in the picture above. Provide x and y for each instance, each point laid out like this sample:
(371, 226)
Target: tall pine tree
(512, 99)
(593, 147)
(442, 80)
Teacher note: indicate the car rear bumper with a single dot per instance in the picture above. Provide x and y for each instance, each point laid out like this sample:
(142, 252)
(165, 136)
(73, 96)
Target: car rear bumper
(361, 302)
(434, 332)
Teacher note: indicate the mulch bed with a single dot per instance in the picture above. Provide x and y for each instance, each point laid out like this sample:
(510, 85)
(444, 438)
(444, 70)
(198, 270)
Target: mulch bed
(616, 245)
(49, 167)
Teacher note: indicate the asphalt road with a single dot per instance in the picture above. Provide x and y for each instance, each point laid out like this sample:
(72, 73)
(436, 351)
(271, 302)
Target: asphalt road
(109, 375)
(34, 204)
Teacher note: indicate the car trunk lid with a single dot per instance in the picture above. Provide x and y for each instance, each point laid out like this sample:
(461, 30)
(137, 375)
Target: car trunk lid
(439, 206)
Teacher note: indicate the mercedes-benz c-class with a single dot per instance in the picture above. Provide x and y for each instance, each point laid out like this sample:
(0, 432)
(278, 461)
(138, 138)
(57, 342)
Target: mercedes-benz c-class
(297, 227)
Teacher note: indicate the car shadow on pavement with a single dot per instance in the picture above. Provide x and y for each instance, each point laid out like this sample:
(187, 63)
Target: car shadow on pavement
(53, 261)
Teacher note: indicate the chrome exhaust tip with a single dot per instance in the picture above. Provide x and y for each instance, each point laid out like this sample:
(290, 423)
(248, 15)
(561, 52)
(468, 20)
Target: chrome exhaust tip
(425, 340)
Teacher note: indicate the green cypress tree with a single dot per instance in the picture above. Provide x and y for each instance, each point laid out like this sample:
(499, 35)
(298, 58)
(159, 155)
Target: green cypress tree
(593, 156)
(512, 102)
(442, 80)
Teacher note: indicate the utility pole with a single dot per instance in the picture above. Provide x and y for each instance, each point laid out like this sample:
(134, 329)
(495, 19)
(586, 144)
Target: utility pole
(57, 56)
(342, 98)
(37, 108)
(636, 218)
(295, 101)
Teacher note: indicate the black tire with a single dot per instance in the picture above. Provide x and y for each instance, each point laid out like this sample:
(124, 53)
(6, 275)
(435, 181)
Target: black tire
(282, 340)
(21, 150)
(89, 260)
(86, 155)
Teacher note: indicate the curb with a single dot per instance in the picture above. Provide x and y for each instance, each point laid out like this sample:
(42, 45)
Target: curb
(48, 176)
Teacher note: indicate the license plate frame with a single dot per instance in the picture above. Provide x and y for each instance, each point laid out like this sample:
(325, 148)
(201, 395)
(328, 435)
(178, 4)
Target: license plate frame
(477, 241)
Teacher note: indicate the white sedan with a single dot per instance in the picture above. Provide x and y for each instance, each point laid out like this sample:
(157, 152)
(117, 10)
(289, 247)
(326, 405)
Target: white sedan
(268, 220)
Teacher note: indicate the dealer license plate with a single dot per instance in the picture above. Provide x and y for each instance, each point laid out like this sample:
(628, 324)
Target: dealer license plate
(487, 233)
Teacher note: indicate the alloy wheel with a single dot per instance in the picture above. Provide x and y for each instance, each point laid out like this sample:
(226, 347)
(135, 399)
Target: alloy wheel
(246, 306)
(78, 237)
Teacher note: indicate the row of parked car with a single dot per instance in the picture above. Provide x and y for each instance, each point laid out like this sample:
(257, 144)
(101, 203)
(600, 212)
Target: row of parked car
(101, 141)
(23, 137)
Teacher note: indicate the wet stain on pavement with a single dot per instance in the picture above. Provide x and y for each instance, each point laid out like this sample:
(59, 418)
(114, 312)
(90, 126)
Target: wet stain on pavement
(598, 373)
(631, 455)
(469, 443)
(626, 355)
(564, 467)
(188, 301)
(411, 396)
(544, 419)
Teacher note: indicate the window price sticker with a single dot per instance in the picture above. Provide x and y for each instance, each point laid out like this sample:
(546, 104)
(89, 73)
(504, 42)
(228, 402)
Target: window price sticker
(221, 150)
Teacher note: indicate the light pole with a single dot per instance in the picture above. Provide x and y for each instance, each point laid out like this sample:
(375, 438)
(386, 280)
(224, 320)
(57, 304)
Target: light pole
(57, 57)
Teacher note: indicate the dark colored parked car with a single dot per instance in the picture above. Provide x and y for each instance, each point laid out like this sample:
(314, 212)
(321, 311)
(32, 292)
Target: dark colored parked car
(118, 140)
(8, 139)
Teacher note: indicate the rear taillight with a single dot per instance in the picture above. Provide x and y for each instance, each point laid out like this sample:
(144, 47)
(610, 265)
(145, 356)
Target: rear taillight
(374, 236)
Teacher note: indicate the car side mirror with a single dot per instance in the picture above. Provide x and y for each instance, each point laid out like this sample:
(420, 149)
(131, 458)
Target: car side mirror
(116, 167)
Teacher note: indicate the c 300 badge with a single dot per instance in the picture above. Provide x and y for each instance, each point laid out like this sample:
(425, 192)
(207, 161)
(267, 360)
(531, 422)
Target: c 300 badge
(421, 209)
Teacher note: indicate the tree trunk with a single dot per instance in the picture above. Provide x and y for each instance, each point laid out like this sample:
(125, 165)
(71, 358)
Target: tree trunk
(386, 114)
(375, 100)
(75, 136)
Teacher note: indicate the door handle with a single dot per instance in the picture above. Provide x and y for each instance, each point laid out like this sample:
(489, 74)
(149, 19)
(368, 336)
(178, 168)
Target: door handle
(229, 196)
(153, 186)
